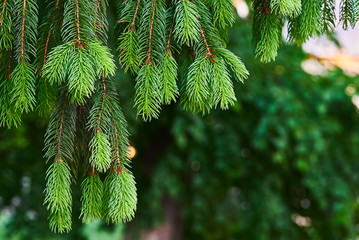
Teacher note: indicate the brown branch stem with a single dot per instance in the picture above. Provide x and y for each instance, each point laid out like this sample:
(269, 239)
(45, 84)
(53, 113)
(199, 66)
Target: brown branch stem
(149, 62)
(2, 12)
(9, 65)
(46, 46)
(23, 32)
(209, 54)
(116, 144)
(78, 22)
(132, 27)
(60, 132)
(170, 35)
(103, 103)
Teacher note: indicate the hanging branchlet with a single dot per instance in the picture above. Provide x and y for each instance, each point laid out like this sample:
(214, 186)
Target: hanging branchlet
(99, 124)
(311, 19)
(25, 35)
(289, 8)
(186, 29)
(58, 196)
(59, 145)
(106, 118)
(128, 40)
(169, 89)
(223, 12)
(329, 17)
(8, 115)
(49, 37)
(100, 25)
(81, 58)
(123, 198)
(49, 32)
(208, 83)
(92, 194)
(6, 25)
(151, 52)
(267, 31)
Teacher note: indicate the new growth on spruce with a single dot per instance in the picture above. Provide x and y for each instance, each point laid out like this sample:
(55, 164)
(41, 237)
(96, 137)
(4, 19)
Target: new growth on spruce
(61, 66)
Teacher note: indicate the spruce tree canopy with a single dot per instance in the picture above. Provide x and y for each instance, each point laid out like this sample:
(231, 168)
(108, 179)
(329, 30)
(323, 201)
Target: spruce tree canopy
(60, 65)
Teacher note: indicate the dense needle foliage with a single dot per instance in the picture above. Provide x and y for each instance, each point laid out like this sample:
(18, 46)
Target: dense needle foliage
(61, 64)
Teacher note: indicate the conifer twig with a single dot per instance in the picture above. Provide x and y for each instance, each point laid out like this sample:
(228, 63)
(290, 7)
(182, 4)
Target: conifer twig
(116, 143)
(170, 35)
(132, 27)
(46, 46)
(9, 65)
(78, 22)
(48, 35)
(209, 54)
(58, 159)
(23, 32)
(2, 12)
(103, 102)
(149, 62)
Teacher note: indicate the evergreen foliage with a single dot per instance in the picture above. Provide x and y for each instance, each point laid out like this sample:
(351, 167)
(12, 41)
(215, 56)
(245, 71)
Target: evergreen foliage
(68, 68)
(92, 189)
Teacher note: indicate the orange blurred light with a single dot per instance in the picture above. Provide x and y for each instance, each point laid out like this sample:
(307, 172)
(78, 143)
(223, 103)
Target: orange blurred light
(131, 152)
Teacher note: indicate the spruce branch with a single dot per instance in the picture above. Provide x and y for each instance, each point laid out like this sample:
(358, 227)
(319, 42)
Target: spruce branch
(58, 196)
(100, 147)
(149, 62)
(6, 26)
(195, 92)
(169, 89)
(23, 87)
(123, 198)
(267, 31)
(60, 134)
(92, 194)
(147, 95)
(329, 17)
(186, 29)
(128, 40)
(223, 12)
(290, 8)
(235, 63)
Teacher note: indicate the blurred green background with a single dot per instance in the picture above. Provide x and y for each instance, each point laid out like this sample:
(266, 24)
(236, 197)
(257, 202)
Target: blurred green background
(283, 163)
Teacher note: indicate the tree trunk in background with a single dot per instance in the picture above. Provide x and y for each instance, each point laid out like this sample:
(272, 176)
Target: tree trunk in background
(172, 228)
